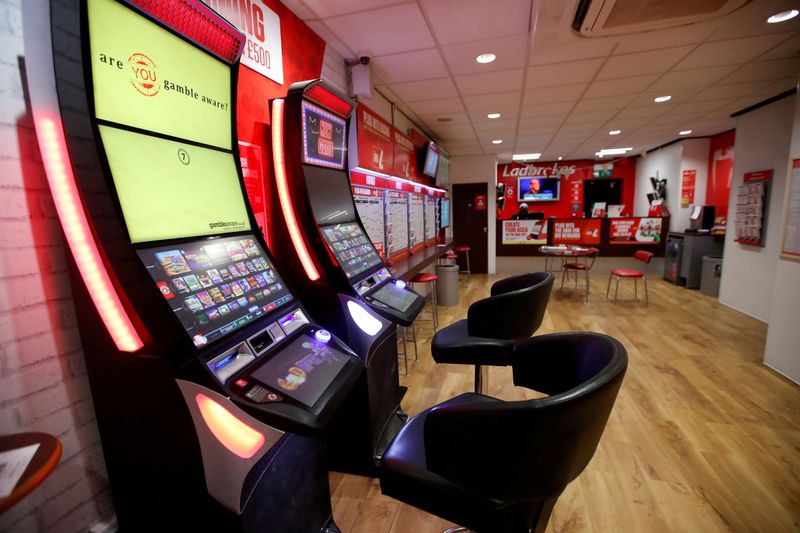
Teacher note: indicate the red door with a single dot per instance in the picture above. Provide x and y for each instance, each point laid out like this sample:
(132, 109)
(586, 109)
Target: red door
(471, 223)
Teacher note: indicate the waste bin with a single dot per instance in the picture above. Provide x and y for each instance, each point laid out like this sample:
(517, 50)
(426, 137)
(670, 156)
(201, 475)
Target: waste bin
(712, 273)
(447, 286)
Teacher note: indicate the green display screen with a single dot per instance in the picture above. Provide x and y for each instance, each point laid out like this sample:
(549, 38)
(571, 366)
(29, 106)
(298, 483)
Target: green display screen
(170, 190)
(146, 77)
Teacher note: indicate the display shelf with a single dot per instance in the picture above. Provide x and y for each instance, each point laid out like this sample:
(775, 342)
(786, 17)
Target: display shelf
(751, 208)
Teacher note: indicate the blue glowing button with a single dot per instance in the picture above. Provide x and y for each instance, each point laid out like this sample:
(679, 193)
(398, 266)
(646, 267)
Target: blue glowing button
(322, 335)
(400, 283)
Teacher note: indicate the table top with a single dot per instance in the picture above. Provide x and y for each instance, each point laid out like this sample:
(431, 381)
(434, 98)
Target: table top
(43, 463)
(408, 266)
(571, 250)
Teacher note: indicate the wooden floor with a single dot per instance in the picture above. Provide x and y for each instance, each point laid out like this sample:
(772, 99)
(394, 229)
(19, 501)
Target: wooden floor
(703, 437)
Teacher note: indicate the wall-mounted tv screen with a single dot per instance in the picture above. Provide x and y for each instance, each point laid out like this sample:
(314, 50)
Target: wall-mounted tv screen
(147, 77)
(215, 286)
(171, 190)
(431, 163)
(444, 213)
(538, 189)
(323, 137)
(351, 248)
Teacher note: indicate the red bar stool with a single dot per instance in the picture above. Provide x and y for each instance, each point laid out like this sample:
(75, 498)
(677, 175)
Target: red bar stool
(426, 277)
(449, 258)
(619, 273)
(465, 250)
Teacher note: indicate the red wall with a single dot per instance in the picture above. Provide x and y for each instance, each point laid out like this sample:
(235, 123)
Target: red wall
(720, 172)
(571, 186)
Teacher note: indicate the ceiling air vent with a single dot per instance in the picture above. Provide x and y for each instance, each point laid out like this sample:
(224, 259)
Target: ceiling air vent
(598, 18)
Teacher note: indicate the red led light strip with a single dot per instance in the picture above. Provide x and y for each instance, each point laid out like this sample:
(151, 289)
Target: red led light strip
(287, 206)
(69, 206)
(197, 22)
(325, 97)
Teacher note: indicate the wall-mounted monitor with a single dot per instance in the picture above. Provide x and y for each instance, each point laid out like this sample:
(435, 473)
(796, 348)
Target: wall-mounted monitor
(172, 190)
(147, 77)
(431, 161)
(323, 137)
(444, 213)
(215, 286)
(538, 189)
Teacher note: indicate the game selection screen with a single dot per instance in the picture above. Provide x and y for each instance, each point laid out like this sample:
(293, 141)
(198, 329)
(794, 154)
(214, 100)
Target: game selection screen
(351, 248)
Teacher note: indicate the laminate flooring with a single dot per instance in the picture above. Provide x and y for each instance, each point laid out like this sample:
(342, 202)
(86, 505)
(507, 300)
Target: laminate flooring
(703, 436)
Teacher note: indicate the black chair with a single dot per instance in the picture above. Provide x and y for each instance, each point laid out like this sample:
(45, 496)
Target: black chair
(513, 312)
(496, 466)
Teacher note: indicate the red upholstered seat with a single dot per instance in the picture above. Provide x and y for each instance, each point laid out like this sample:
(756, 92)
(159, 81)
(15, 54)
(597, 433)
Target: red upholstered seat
(627, 273)
(424, 277)
(451, 256)
(462, 248)
(577, 266)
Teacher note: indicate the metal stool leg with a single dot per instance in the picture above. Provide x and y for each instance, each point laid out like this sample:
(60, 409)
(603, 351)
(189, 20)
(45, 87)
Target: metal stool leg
(608, 289)
(469, 271)
(646, 296)
(635, 289)
(414, 331)
(616, 291)
(402, 331)
(481, 378)
(587, 284)
(435, 308)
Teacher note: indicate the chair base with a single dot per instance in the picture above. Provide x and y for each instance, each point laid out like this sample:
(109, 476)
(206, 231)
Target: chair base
(456, 529)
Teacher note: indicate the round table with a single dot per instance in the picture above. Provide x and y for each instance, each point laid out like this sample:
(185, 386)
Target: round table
(571, 250)
(43, 463)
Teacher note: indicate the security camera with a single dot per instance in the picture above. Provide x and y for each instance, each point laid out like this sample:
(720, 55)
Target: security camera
(364, 60)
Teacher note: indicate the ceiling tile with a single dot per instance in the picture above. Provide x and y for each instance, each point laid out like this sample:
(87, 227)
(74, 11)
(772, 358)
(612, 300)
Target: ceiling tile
(684, 79)
(490, 82)
(647, 111)
(667, 38)
(324, 9)
(764, 71)
(569, 48)
(457, 21)
(732, 91)
(592, 116)
(653, 62)
(601, 104)
(440, 105)
(620, 86)
(457, 118)
(562, 73)
(541, 121)
(423, 90)
(788, 48)
(646, 98)
(535, 141)
(549, 95)
(751, 20)
(495, 125)
(330, 38)
(492, 103)
(389, 30)
(488, 136)
(411, 66)
(537, 129)
(730, 52)
(511, 52)
(546, 110)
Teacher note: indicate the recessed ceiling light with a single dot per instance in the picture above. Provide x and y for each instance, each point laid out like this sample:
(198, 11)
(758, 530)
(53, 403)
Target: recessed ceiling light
(525, 157)
(684, 132)
(615, 132)
(486, 58)
(613, 151)
(497, 141)
(783, 16)
(661, 99)
(444, 119)
(493, 115)
(560, 158)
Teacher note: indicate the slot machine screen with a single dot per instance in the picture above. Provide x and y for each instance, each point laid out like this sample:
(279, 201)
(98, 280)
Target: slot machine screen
(303, 370)
(171, 190)
(351, 248)
(215, 286)
(394, 296)
(323, 137)
(149, 78)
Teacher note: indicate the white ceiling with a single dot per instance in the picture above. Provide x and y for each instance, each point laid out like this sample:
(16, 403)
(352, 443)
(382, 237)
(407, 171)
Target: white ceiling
(559, 93)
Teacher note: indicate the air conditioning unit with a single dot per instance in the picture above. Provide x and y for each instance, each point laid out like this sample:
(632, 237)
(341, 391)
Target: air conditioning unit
(600, 18)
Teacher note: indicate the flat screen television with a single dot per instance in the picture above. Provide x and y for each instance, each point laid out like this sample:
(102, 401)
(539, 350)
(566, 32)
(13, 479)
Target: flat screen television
(538, 189)
(444, 213)
(351, 248)
(431, 161)
(215, 286)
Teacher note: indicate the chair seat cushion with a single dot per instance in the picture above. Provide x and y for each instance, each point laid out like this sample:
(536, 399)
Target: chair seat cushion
(462, 248)
(627, 273)
(453, 344)
(451, 256)
(404, 476)
(424, 277)
(576, 266)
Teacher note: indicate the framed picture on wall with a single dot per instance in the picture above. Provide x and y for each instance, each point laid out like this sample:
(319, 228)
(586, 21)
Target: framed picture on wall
(790, 237)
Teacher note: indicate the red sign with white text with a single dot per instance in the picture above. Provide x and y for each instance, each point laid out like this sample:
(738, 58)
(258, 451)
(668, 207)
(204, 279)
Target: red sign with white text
(634, 230)
(404, 164)
(577, 231)
(687, 187)
(761, 175)
(480, 202)
(375, 150)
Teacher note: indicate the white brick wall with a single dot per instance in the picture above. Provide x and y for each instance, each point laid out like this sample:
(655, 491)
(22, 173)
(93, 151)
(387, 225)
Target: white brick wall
(43, 385)
(334, 70)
